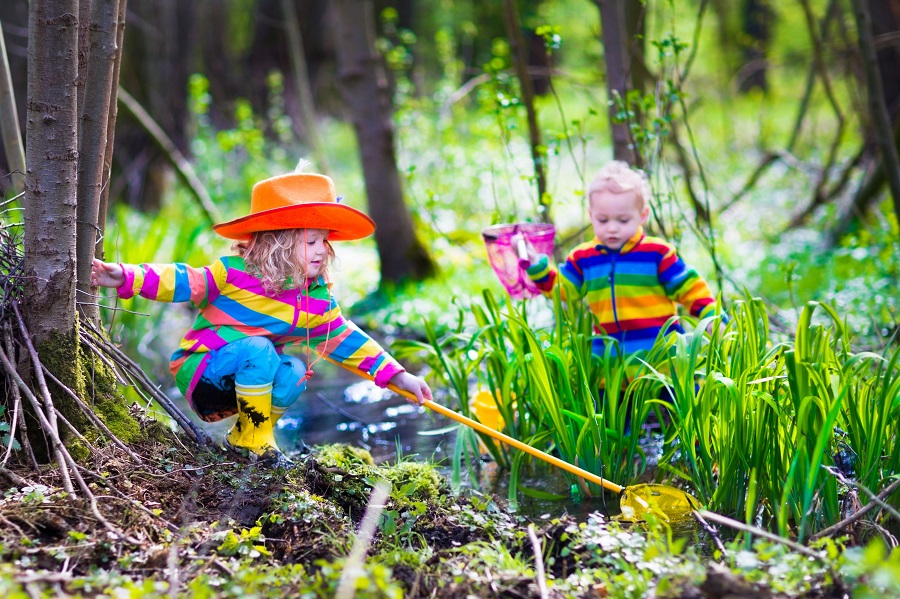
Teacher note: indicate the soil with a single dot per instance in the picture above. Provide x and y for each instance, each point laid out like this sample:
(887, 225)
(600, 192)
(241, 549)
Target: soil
(211, 517)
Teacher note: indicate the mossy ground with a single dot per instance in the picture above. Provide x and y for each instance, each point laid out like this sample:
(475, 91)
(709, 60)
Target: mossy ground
(206, 523)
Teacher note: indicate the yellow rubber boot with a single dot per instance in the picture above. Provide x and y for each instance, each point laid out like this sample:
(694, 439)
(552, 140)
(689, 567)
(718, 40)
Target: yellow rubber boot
(277, 413)
(254, 429)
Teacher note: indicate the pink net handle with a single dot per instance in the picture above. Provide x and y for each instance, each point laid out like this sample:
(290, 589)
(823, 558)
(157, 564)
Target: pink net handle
(504, 258)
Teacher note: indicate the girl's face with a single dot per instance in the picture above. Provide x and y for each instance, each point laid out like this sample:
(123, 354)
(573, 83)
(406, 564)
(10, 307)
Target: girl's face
(313, 251)
(616, 217)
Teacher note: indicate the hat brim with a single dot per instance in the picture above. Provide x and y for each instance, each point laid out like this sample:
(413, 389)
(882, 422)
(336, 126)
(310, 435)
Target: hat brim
(343, 222)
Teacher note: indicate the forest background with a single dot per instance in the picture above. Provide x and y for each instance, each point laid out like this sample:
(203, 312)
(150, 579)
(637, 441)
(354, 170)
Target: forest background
(769, 133)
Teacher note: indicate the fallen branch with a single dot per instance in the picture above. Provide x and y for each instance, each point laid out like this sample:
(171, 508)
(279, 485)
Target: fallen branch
(758, 532)
(182, 166)
(538, 562)
(877, 501)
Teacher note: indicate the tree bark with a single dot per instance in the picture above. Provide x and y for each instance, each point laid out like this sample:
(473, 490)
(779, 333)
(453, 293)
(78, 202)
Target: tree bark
(880, 116)
(92, 142)
(520, 63)
(612, 22)
(51, 168)
(364, 88)
(110, 131)
(302, 86)
(9, 123)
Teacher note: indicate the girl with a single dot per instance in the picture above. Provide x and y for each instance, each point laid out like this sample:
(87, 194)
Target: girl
(275, 292)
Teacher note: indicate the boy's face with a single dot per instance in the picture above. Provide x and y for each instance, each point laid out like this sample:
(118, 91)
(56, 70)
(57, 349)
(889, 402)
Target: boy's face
(314, 251)
(616, 217)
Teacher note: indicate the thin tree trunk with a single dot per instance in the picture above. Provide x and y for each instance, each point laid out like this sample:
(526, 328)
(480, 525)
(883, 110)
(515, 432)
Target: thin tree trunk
(84, 48)
(51, 168)
(881, 117)
(520, 62)
(301, 84)
(111, 130)
(612, 22)
(92, 142)
(364, 88)
(9, 123)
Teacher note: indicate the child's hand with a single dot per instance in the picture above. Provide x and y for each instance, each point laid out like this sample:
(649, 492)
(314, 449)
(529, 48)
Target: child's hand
(106, 274)
(523, 249)
(412, 384)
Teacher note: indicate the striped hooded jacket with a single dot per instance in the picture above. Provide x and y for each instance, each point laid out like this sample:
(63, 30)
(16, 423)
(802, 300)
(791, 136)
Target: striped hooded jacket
(233, 304)
(632, 291)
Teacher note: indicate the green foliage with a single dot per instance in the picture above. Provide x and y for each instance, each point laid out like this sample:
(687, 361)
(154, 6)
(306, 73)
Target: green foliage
(247, 542)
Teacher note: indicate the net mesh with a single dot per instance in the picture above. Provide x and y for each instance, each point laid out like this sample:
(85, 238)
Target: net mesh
(505, 259)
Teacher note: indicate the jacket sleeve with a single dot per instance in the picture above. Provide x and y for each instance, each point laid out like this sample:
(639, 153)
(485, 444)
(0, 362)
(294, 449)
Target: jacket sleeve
(683, 285)
(342, 341)
(545, 275)
(173, 282)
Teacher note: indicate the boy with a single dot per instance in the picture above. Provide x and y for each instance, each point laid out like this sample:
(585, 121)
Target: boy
(630, 281)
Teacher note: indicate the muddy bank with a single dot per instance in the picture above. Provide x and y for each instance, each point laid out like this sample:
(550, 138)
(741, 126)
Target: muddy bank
(207, 523)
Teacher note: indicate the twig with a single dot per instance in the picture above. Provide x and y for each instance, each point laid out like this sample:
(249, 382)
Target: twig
(133, 502)
(339, 409)
(538, 562)
(94, 418)
(50, 412)
(74, 430)
(353, 566)
(136, 374)
(182, 166)
(758, 532)
(17, 400)
(56, 443)
(712, 532)
(15, 478)
(66, 458)
(877, 501)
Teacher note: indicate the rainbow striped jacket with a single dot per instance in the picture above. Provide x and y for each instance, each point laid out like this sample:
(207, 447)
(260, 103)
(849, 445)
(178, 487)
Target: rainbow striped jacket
(632, 291)
(234, 305)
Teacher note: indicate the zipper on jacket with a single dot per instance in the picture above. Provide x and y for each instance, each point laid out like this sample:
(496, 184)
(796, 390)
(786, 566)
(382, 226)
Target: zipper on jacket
(612, 287)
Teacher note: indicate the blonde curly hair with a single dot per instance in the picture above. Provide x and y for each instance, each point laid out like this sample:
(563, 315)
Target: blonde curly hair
(618, 177)
(272, 256)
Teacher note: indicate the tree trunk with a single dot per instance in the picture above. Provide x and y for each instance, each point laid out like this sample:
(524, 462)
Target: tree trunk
(364, 89)
(520, 62)
(9, 123)
(51, 173)
(92, 142)
(757, 33)
(612, 21)
(880, 116)
(301, 84)
(110, 131)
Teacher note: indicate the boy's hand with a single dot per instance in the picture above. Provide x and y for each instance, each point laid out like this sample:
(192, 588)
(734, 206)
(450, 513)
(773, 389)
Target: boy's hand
(106, 274)
(412, 384)
(524, 250)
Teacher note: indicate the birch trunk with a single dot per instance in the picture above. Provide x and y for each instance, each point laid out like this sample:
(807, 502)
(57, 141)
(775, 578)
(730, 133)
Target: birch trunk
(51, 174)
(92, 142)
(364, 87)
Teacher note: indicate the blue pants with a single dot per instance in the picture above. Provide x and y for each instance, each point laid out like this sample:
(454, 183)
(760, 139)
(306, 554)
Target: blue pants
(249, 361)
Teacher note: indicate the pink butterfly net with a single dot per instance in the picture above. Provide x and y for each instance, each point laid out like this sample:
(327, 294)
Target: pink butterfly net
(505, 258)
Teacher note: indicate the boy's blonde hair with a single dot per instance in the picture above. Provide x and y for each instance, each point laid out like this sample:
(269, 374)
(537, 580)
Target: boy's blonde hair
(618, 177)
(272, 256)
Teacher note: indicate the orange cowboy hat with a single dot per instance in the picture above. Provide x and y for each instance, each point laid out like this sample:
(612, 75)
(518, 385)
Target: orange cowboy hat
(298, 201)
